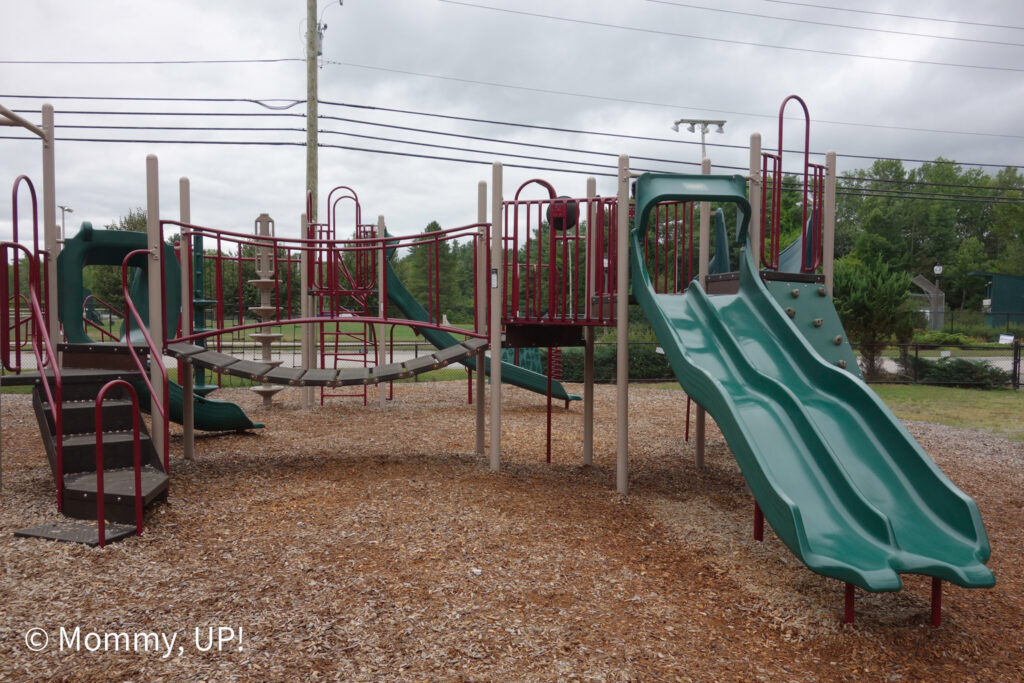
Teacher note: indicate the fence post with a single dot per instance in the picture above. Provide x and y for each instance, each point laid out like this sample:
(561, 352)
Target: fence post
(1015, 380)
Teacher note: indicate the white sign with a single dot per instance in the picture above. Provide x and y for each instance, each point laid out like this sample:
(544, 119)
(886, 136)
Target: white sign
(1006, 339)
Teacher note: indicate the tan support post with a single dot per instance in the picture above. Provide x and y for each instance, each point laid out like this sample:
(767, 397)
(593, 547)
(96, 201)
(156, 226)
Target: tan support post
(705, 253)
(754, 188)
(185, 368)
(51, 231)
(828, 238)
(496, 285)
(481, 307)
(622, 329)
(156, 320)
(306, 309)
(593, 268)
(381, 351)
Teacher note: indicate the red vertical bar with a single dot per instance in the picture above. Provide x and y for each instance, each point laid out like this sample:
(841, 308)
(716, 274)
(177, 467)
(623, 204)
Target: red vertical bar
(936, 602)
(848, 604)
(758, 523)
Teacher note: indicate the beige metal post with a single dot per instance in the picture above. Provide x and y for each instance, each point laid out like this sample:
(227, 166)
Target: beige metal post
(593, 268)
(381, 351)
(312, 124)
(828, 239)
(622, 329)
(156, 320)
(702, 274)
(51, 231)
(480, 302)
(496, 284)
(306, 310)
(754, 189)
(187, 385)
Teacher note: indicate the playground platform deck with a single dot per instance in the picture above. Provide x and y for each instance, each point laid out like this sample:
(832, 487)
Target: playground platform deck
(371, 544)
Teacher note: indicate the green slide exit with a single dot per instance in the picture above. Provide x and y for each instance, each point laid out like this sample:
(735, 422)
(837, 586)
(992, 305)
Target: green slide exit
(510, 373)
(838, 477)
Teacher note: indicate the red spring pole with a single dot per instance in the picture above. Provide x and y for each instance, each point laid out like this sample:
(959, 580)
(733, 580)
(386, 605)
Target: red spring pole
(936, 602)
(549, 407)
(758, 523)
(848, 605)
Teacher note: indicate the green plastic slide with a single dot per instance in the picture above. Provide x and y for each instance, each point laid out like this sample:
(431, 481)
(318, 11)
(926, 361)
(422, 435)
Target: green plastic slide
(109, 247)
(510, 373)
(838, 477)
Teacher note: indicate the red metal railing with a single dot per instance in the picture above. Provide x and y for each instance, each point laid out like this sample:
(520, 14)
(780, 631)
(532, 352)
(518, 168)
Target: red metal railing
(552, 262)
(669, 247)
(155, 351)
(812, 204)
(136, 457)
(42, 349)
(104, 333)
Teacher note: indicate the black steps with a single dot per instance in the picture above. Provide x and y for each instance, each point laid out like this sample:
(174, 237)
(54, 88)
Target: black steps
(81, 386)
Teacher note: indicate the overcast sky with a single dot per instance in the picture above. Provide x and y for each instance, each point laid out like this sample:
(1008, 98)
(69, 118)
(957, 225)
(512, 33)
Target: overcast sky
(614, 66)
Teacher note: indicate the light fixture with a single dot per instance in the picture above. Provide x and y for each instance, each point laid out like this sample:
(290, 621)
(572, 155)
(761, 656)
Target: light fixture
(720, 127)
(937, 269)
(691, 128)
(675, 126)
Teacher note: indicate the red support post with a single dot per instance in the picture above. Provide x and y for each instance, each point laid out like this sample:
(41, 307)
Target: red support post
(758, 523)
(936, 602)
(848, 606)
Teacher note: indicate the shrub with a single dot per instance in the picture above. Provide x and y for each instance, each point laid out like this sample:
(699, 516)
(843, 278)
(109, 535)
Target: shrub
(935, 338)
(963, 372)
(644, 363)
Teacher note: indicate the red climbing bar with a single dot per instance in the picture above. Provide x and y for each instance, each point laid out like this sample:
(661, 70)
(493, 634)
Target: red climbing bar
(136, 458)
(758, 523)
(936, 602)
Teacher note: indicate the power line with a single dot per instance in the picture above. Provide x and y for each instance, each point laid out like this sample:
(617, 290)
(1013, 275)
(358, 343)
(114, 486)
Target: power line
(898, 16)
(662, 32)
(592, 170)
(288, 103)
(503, 123)
(145, 62)
(831, 25)
(648, 103)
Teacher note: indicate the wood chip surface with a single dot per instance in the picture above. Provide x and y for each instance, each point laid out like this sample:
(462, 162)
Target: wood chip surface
(362, 544)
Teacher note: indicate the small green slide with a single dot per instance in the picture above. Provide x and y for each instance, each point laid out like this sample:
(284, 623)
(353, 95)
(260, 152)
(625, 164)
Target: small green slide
(109, 247)
(510, 372)
(838, 477)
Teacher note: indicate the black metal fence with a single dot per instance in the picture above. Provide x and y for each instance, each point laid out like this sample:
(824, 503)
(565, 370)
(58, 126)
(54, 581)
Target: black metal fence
(982, 366)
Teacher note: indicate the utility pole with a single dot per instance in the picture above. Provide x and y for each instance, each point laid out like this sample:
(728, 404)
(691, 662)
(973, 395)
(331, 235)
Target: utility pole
(312, 139)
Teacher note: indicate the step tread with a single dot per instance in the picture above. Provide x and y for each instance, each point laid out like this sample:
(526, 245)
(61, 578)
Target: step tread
(118, 481)
(109, 438)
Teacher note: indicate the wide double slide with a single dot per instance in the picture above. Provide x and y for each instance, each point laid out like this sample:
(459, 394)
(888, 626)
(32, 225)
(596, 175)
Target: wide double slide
(838, 477)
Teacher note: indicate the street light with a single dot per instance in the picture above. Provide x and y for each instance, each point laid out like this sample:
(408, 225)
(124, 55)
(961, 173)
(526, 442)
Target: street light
(937, 269)
(705, 124)
(63, 209)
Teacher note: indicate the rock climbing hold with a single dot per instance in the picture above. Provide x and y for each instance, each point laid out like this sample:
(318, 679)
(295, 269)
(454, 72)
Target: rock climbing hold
(795, 293)
(791, 312)
(841, 363)
(822, 291)
(837, 340)
(818, 322)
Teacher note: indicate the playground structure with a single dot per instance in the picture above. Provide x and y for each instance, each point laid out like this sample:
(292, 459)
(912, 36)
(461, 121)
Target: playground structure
(841, 482)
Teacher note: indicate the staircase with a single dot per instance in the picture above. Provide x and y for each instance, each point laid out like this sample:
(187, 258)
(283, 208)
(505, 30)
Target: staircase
(81, 386)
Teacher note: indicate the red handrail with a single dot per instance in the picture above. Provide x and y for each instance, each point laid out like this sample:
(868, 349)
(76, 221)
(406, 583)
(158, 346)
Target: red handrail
(136, 458)
(43, 351)
(155, 355)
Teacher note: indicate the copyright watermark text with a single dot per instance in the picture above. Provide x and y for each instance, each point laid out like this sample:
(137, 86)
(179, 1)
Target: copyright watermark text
(165, 645)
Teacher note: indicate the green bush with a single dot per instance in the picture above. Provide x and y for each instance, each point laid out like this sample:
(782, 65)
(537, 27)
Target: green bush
(961, 372)
(644, 363)
(942, 338)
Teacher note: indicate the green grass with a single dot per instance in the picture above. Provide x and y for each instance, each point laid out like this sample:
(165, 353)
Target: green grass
(998, 411)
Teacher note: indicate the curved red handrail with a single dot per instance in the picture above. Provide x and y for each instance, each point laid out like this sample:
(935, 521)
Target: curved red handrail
(136, 458)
